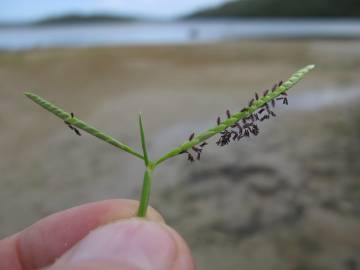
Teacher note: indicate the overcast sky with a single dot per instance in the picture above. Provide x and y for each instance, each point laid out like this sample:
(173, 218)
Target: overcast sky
(25, 10)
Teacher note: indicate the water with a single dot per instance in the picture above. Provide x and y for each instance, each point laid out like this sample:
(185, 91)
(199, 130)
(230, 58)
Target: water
(315, 100)
(141, 33)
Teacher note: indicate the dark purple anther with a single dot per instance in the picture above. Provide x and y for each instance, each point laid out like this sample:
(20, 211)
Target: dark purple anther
(261, 110)
(251, 102)
(203, 144)
(273, 103)
(228, 114)
(274, 87)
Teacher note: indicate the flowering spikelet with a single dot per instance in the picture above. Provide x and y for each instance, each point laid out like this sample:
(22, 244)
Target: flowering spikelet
(245, 123)
(195, 150)
(244, 128)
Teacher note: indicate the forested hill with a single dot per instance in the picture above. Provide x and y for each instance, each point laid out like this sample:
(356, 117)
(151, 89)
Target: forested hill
(283, 8)
(73, 19)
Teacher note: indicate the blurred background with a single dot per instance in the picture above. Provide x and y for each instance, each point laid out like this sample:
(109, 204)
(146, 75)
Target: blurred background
(286, 199)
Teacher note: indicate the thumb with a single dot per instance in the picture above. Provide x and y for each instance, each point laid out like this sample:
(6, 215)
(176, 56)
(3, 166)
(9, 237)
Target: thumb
(133, 244)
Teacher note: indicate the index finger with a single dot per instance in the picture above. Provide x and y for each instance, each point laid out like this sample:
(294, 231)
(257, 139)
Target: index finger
(40, 244)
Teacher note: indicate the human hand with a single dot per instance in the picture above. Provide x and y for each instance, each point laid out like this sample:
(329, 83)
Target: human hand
(102, 235)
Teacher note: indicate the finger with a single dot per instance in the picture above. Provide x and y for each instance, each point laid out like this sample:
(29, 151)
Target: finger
(46, 240)
(129, 244)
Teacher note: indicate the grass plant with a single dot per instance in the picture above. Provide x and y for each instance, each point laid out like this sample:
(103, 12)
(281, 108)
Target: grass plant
(234, 127)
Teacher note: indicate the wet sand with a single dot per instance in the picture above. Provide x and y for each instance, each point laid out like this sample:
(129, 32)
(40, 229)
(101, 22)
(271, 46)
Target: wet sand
(287, 199)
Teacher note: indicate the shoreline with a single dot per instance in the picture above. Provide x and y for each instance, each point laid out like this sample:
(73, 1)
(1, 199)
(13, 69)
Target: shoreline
(177, 32)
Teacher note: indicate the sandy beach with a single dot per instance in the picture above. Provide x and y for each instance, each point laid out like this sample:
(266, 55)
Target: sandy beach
(286, 199)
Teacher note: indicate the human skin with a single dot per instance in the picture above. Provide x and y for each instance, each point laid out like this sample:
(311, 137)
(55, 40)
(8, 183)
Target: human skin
(102, 235)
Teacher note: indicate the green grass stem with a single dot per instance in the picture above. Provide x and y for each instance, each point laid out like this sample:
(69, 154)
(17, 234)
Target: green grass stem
(145, 193)
(80, 124)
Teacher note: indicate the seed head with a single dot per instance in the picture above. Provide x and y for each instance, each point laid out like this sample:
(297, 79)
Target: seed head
(245, 127)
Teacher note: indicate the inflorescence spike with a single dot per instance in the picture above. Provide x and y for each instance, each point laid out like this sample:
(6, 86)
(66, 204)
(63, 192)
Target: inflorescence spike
(244, 128)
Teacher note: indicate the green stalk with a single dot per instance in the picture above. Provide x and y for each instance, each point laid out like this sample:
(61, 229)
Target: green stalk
(145, 194)
(80, 124)
(146, 188)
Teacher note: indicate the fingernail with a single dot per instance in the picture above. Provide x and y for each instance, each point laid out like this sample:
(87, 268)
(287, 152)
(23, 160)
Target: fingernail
(135, 243)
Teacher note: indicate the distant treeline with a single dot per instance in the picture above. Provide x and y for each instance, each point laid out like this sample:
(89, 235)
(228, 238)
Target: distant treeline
(283, 8)
(73, 19)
